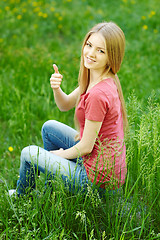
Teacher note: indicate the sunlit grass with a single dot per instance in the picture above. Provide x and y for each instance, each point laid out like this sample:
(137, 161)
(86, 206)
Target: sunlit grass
(33, 36)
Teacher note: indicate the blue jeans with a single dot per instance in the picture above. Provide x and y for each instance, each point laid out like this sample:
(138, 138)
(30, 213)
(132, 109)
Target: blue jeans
(55, 135)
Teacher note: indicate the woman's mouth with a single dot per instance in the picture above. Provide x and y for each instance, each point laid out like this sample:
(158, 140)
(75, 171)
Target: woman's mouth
(90, 60)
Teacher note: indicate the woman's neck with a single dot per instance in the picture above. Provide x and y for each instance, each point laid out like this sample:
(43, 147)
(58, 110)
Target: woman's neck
(96, 77)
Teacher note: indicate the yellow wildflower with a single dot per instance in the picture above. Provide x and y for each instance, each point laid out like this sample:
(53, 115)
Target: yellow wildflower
(69, 0)
(19, 17)
(1, 40)
(143, 17)
(153, 13)
(35, 4)
(37, 9)
(0, 10)
(60, 18)
(10, 149)
(15, 10)
(40, 14)
(45, 15)
(7, 8)
(155, 31)
(125, 1)
(52, 9)
(145, 27)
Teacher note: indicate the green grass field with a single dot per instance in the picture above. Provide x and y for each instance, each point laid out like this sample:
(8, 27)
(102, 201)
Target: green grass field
(33, 36)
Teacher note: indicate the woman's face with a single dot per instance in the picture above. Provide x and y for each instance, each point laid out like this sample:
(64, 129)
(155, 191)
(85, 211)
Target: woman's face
(95, 53)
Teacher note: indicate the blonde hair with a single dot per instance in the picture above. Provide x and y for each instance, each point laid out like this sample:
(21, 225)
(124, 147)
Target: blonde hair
(115, 47)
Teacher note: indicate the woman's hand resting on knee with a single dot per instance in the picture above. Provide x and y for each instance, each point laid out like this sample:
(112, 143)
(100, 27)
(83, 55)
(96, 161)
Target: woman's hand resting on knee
(58, 152)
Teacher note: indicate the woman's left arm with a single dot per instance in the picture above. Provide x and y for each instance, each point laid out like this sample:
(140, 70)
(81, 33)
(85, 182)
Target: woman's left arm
(85, 145)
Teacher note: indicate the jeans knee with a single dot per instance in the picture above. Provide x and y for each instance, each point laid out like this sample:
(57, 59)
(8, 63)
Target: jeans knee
(24, 153)
(27, 152)
(47, 125)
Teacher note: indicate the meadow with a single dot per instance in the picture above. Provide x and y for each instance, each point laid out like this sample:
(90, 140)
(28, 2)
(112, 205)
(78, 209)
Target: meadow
(33, 36)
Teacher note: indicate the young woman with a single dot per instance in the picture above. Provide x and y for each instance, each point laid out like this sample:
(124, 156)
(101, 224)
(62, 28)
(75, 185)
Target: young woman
(95, 152)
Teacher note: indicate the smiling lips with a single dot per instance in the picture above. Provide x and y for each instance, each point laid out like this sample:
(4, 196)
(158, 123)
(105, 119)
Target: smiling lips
(90, 60)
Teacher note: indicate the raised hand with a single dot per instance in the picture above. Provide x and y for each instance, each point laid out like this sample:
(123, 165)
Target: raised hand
(56, 78)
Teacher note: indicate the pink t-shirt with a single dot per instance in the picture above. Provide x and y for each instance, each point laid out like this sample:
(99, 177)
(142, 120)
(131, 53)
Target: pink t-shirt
(105, 165)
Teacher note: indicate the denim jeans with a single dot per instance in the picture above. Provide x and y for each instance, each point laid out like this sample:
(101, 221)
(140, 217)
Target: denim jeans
(55, 135)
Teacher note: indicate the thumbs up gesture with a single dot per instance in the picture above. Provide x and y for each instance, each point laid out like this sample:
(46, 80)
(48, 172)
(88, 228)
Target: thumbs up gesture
(56, 78)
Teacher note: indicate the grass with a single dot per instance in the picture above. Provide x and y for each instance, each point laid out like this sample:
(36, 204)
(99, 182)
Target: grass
(33, 36)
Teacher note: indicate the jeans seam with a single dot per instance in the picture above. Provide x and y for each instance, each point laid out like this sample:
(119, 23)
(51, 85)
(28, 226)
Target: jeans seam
(59, 139)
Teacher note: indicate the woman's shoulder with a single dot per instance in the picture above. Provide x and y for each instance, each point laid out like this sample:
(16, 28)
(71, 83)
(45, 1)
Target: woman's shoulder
(106, 90)
(106, 86)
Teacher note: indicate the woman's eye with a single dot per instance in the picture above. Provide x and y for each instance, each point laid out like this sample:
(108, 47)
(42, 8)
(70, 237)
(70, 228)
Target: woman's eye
(88, 44)
(101, 51)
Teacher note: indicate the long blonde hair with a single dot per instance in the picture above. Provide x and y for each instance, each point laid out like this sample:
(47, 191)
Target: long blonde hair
(115, 46)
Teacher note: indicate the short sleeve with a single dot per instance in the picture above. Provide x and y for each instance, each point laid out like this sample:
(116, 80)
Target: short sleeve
(96, 106)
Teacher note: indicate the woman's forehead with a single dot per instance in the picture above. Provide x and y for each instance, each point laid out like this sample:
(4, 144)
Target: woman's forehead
(97, 40)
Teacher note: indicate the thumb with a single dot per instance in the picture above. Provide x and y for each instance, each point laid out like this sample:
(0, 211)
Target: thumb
(55, 68)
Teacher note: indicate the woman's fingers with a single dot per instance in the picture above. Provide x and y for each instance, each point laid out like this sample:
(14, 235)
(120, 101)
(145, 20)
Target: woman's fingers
(56, 78)
(55, 68)
(55, 83)
(56, 75)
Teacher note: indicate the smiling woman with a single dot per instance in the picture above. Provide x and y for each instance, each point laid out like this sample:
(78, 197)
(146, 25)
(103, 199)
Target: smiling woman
(95, 152)
(95, 56)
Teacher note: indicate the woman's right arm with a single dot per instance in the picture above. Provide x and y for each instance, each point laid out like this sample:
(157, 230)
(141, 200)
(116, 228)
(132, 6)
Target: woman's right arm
(64, 102)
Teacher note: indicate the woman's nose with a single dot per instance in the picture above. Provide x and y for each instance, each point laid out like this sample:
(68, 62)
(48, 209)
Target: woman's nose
(92, 52)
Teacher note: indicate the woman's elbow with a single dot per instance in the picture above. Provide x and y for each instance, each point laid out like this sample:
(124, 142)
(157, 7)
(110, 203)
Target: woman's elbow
(87, 150)
(64, 108)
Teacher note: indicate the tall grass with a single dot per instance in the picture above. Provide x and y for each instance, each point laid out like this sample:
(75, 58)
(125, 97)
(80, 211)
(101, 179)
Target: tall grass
(33, 36)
